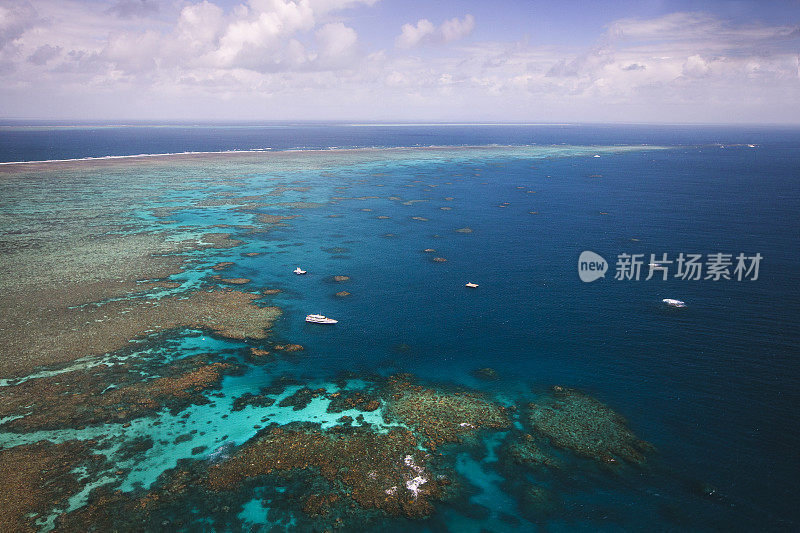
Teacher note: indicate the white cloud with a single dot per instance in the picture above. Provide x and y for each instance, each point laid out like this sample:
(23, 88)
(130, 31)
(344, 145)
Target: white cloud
(455, 29)
(304, 59)
(425, 32)
(411, 35)
(696, 67)
(336, 40)
(199, 25)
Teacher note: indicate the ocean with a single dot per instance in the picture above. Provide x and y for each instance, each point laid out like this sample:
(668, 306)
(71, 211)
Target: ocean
(713, 387)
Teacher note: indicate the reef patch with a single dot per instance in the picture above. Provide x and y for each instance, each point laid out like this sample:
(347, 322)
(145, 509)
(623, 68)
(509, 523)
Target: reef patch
(441, 415)
(39, 477)
(576, 421)
(385, 471)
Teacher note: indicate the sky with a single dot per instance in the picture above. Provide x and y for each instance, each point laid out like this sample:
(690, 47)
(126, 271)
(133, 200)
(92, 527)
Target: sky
(649, 61)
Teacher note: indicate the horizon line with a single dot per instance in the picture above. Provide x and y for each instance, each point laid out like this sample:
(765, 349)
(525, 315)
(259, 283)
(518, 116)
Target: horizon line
(6, 122)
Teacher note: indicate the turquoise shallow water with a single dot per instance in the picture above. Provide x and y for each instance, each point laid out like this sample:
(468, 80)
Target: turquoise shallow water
(714, 386)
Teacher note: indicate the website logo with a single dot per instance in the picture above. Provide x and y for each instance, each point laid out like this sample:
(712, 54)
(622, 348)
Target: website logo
(685, 266)
(591, 266)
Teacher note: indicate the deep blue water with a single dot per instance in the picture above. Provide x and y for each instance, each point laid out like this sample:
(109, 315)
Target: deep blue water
(715, 386)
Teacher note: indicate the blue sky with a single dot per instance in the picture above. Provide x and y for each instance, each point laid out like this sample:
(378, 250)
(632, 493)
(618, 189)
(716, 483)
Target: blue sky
(622, 61)
(566, 22)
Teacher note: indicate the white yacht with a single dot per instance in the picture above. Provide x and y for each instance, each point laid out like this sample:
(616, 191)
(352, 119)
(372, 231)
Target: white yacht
(299, 271)
(471, 285)
(320, 319)
(674, 303)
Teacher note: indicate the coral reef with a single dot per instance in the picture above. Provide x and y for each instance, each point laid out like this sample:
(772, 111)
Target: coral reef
(279, 385)
(258, 353)
(259, 356)
(301, 398)
(235, 281)
(290, 347)
(525, 451)
(53, 333)
(248, 398)
(273, 219)
(319, 504)
(217, 240)
(442, 416)
(362, 400)
(573, 420)
(104, 394)
(381, 470)
(38, 477)
(96, 330)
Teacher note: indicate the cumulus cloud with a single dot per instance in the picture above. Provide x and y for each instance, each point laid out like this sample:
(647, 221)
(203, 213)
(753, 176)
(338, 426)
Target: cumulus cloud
(455, 29)
(336, 40)
(696, 67)
(425, 32)
(411, 35)
(204, 40)
(199, 25)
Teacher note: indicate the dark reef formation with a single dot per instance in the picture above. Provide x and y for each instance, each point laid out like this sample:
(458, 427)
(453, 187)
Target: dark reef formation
(380, 470)
(442, 416)
(353, 399)
(37, 477)
(573, 420)
(343, 476)
(250, 399)
(105, 394)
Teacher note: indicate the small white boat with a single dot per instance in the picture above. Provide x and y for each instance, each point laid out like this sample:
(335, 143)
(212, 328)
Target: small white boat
(471, 285)
(320, 319)
(596, 155)
(674, 303)
(299, 271)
